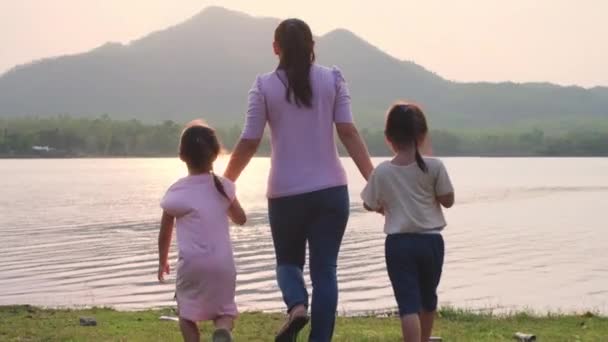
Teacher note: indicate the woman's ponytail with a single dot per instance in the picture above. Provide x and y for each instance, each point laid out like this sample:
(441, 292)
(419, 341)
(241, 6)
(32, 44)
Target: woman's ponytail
(297, 56)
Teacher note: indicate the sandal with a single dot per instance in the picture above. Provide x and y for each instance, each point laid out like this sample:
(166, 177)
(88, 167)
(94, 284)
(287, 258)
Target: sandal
(289, 331)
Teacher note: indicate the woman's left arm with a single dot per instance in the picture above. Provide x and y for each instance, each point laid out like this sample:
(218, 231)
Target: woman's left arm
(355, 146)
(347, 131)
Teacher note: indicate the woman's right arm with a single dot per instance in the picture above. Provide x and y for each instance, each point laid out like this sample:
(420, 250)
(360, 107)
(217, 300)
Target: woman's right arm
(243, 152)
(354, 144)
(252, 133)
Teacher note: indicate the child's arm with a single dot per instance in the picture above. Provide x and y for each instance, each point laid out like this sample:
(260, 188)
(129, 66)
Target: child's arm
(372, 200)
(164, 242)
(444, 190)
(236, 213)
(447, 200)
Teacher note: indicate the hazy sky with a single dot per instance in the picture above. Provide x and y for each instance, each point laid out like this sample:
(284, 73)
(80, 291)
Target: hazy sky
(561, 41)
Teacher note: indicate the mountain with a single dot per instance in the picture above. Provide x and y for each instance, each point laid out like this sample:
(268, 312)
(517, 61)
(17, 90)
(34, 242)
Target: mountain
(205, 66)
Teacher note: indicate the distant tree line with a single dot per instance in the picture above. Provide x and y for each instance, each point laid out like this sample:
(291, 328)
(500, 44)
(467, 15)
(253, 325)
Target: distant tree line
(65, 136)
(74, 137)
(533, 142)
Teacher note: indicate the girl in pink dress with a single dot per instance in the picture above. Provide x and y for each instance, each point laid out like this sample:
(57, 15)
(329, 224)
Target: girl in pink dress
(201, 205)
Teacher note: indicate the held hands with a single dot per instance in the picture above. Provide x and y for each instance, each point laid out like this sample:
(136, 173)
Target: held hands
(379, 210)
(162, 270)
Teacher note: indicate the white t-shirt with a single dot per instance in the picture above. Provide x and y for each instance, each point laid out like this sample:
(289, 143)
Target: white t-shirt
(408, 196)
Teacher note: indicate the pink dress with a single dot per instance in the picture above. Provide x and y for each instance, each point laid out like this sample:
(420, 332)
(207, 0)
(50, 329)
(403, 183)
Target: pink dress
(206, 274)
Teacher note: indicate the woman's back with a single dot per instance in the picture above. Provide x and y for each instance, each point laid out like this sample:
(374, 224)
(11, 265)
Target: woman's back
(304, 153)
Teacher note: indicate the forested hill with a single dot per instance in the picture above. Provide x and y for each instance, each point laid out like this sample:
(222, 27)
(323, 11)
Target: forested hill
(205, 66)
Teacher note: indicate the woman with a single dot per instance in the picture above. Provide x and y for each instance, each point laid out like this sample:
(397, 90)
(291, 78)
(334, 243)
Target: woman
(308, 199)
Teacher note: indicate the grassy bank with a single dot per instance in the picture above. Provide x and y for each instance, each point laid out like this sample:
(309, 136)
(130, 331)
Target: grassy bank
(24, 323)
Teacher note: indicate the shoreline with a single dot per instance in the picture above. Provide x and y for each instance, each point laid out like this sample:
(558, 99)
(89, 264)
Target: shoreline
(495, 312)
(24, 322)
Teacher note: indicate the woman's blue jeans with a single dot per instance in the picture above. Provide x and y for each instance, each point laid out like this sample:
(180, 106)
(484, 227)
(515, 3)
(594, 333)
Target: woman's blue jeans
(318, 218)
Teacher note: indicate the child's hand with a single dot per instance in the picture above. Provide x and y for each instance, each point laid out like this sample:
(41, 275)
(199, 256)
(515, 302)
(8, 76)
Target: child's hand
(380, 210)
(236, 213)
(447, 200)
(162, 270)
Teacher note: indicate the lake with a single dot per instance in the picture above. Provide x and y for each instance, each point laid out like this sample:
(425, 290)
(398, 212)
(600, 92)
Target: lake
(525, 233)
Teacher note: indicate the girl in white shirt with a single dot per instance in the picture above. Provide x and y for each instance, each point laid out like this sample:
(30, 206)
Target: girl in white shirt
(410, 190)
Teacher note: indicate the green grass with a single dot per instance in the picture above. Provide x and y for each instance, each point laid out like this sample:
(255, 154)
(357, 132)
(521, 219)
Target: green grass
(25, 323)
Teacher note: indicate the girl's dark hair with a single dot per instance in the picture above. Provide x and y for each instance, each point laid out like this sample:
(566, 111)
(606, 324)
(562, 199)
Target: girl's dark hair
(405, 126)
(199, 148)
(294, 37)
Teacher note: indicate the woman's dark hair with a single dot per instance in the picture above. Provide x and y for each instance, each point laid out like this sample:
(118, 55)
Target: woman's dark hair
(199, 148)
(405, 126)
(294, 37)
